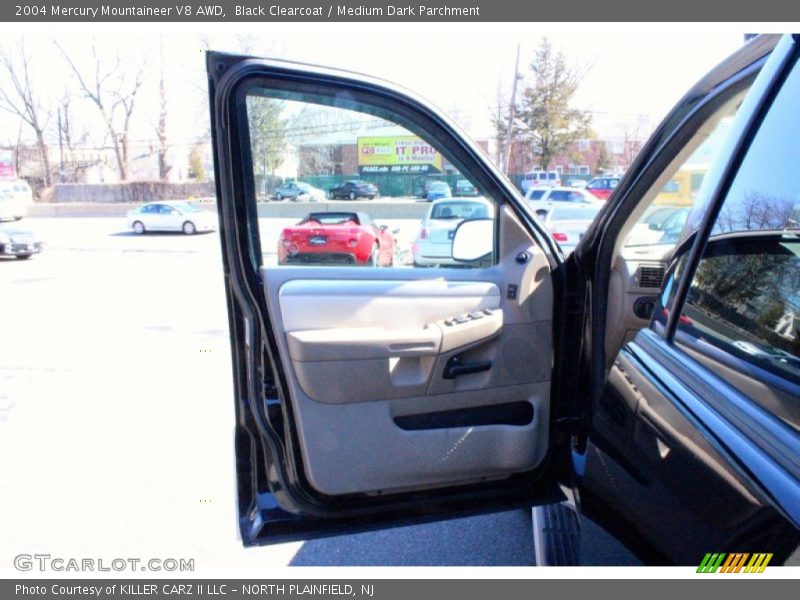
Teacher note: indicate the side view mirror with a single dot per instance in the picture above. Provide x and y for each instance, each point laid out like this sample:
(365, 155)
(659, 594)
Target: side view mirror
(383, 227)
(473, 240)
(541, 213)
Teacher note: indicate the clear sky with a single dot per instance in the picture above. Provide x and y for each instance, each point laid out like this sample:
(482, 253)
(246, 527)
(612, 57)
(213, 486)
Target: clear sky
(631, 73)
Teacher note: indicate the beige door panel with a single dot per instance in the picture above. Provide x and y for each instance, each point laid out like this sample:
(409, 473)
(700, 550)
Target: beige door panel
(352, 448)
(359, 343)
(363, 348)
(384, 300)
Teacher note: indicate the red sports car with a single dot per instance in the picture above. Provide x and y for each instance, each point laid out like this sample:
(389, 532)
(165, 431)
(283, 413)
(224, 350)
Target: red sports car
(345, 238)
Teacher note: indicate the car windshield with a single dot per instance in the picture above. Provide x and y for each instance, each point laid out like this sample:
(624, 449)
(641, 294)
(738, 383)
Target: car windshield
(331, 218)
(656, 215)
(570, 213)
(304, 186)
(459, 210)
(536, 195)
(438, 186)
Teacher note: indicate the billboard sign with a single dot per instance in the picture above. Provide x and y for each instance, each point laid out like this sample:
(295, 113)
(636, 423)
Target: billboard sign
(397, 154)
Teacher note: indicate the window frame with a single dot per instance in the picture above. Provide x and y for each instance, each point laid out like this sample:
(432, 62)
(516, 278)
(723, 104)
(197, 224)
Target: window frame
(717, 197)
(404, 114)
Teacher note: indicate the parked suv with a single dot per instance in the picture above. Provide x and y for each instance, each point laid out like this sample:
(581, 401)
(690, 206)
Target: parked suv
(539, 178)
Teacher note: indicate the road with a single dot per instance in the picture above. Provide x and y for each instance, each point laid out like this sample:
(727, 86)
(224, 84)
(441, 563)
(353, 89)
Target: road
(116, 416)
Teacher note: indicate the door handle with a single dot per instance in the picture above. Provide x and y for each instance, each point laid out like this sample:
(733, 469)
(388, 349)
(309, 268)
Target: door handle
(455, 367)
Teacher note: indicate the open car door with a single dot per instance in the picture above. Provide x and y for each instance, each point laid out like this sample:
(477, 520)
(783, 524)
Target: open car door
(380, 377)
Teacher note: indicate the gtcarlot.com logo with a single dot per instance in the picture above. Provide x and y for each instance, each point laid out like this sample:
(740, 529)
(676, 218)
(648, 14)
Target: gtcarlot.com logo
(47, 562)
(737, 562)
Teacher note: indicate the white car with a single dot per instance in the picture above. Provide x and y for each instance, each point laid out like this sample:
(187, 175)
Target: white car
(15, 196)
(567, 222)
(560, 194)
(433, 243)
(171, 215)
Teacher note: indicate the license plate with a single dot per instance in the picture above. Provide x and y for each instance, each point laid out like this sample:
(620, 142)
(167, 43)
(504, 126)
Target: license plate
(317, 240)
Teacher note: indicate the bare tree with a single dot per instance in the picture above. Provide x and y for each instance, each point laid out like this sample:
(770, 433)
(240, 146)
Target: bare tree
(161, 129)
(499, 111)
(631, 144)
(113, 89)
(71, 135)
(21, 99)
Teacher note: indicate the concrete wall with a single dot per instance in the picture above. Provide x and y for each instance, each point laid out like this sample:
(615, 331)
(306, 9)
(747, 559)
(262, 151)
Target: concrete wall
(375, 209)
(133, 191)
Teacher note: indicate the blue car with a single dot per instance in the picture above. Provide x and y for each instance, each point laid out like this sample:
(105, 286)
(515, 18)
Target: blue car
(438, 189)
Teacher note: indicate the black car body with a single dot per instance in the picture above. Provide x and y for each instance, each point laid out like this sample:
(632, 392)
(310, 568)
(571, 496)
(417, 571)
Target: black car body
(465, 189)
(624, 385)
(353, 190)
(19, 242)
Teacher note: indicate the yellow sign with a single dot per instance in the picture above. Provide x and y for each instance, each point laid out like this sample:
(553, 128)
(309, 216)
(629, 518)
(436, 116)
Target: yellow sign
(397, 154)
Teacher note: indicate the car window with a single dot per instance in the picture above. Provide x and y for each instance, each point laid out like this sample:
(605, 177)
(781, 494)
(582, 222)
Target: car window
(536, 194)
(459, 210)
(559, 196)
(330, 218)
(364, 158)
(679, 195)
(744, 299)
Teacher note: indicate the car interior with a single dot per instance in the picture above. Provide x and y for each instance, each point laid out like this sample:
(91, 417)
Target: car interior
(638, 270)
(443, 374)
(407, 364)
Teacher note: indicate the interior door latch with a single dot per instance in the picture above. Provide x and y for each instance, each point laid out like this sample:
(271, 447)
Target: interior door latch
(455, 367)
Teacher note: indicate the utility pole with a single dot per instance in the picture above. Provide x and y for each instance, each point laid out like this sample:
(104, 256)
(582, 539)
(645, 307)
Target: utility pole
(60, 149)
(512, 106)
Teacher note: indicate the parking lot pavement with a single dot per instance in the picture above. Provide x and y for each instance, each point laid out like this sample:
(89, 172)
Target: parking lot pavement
(116, 416)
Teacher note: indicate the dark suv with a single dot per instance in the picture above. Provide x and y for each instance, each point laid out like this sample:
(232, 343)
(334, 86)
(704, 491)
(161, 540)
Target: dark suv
(654, 387)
